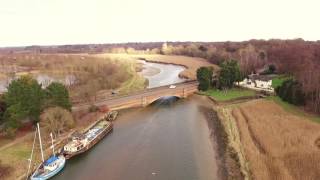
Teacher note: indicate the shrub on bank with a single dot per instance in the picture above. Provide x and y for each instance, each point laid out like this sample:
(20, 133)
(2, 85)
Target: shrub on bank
(291, 92)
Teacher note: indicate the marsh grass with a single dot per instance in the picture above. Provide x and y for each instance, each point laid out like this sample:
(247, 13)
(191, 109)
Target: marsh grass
(277, 143)
(298, 111)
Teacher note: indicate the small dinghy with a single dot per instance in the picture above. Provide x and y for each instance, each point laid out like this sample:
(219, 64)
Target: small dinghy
(111, 116)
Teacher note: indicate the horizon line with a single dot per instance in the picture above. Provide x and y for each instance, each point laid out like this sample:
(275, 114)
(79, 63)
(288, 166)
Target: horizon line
(141, 42)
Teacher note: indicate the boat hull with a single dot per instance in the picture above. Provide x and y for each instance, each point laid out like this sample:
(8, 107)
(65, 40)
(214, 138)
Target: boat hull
(49, 175)
(107, 130)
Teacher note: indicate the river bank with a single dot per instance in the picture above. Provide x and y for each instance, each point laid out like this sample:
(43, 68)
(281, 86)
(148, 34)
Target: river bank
(190, 63)
(229, 164)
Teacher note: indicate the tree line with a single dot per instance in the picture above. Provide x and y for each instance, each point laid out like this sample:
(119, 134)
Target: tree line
(297, 58)
(225, 79)
(25, 100)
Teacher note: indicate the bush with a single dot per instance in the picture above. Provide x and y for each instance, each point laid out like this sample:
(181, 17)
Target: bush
(204, 86)
(10, 132)
(291, 92)
(56, 120)
(204, 77)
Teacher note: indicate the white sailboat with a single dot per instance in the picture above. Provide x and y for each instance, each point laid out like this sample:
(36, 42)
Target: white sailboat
(50, 167)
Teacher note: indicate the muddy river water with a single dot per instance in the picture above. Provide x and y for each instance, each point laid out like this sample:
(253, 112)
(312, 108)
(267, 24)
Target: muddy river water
(168, 140)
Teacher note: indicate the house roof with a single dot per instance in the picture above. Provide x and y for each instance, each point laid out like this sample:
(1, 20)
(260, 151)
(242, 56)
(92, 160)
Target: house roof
(255, 77)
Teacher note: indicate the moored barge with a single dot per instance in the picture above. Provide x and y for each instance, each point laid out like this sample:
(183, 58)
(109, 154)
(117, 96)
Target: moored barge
(82, 142)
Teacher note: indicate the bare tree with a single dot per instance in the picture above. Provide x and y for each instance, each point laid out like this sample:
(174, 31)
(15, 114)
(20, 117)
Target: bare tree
(56, 120)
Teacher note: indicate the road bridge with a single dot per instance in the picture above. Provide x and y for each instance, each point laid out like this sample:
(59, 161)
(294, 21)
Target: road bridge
(143, 98)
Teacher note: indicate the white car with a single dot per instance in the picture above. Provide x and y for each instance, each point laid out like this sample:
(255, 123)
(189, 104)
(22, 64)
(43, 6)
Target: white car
(172, 86)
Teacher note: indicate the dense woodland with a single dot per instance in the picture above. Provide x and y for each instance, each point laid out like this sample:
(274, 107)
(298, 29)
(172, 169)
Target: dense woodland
(298, 58)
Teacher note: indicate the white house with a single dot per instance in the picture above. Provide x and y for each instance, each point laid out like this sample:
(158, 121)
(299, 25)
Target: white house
(258, 82)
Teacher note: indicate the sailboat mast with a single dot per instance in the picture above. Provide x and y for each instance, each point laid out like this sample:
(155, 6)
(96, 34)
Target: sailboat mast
(30, 160)
(40, 142)
(52, 146)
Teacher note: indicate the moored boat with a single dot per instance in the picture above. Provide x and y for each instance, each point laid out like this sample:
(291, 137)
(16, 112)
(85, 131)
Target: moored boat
(50, 167)
(112, 115)
(81, 142)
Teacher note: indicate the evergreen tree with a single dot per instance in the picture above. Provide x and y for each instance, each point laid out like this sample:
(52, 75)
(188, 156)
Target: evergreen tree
(24, 99)
(3, 108)
(229, 74)
(291, 92)
(57, 95)
(204, 77)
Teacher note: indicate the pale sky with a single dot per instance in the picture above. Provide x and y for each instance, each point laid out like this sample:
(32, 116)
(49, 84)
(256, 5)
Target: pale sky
(54, 22)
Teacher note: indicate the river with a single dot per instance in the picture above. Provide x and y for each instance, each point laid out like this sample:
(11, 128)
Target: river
(168, 140)
(43, 79)
(161, 74)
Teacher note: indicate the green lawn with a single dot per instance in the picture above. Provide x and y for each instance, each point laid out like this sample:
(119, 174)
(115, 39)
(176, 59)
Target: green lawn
(229, 94)
(277, 81)
(293, 109)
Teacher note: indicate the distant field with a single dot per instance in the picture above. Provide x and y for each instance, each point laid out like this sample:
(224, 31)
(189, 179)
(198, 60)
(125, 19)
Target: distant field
(278, 144)
(229, 94)
(191, 63)
(89, 71)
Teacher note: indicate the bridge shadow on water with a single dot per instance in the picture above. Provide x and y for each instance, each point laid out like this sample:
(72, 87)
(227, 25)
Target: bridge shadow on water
(165, 101)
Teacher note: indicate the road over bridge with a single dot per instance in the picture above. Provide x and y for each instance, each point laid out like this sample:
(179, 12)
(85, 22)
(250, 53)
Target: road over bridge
(143, 98)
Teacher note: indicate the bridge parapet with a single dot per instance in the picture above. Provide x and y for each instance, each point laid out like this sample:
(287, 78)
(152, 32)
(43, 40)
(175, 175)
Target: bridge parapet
(144, 98)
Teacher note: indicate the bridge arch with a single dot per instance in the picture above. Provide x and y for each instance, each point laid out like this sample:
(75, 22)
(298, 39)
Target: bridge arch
(164, 99)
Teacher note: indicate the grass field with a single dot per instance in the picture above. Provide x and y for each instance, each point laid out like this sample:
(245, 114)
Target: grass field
(277, 81)
(16, 156)
(231, 94)
(277, 143)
